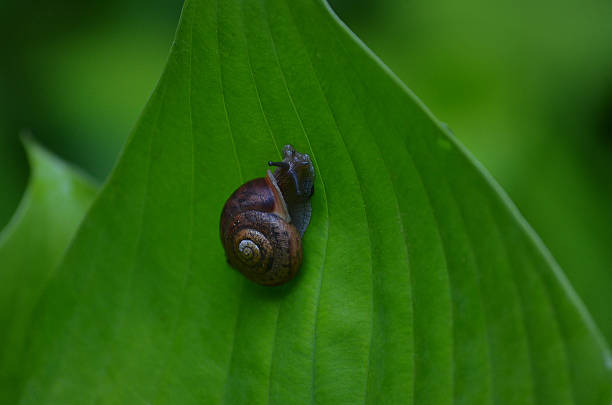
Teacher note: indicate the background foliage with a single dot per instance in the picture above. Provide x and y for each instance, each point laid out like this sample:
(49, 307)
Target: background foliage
(31, 247)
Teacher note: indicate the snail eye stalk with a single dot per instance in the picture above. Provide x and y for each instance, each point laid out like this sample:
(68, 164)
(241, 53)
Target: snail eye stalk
(284, 165)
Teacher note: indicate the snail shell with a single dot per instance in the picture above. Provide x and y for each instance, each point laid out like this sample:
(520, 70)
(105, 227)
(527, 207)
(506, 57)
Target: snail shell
(264, 219)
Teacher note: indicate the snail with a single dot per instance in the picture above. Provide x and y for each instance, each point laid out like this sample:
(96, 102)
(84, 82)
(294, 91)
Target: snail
(263, 221)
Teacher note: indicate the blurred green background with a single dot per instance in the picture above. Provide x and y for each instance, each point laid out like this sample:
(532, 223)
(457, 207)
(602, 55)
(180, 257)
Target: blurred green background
(526, 86)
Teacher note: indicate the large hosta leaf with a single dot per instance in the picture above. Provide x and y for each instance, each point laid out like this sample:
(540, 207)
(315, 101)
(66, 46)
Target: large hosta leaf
(31, 247)
(420, 284)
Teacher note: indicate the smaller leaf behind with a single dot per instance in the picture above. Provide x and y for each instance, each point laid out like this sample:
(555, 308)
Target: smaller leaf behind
(31, 246)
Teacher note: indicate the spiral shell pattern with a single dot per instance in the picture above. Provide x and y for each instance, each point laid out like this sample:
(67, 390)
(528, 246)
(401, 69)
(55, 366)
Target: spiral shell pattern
(252, 248)
(264, 247)
(248, 251)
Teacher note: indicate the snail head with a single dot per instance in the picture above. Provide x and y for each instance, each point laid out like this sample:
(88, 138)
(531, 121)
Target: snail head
(295, 174)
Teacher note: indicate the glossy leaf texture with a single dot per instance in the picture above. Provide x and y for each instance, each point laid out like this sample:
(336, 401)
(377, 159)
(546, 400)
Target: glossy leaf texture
(31, 247)
(420, 284)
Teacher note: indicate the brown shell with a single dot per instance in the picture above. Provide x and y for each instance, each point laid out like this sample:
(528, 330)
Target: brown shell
(256, 232)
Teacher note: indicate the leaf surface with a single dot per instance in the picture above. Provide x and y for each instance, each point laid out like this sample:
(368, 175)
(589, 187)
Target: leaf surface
(420, 284)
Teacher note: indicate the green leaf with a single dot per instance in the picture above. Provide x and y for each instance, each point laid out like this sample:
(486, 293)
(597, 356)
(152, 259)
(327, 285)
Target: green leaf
(31, 247)
(420, 284)
(504, 132)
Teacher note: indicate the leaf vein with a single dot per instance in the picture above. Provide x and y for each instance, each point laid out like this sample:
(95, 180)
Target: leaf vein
(359, 182)
(318, 170)
(189, 269)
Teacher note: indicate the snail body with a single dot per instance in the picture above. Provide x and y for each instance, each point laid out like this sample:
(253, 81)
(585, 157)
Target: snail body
(263, 221)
